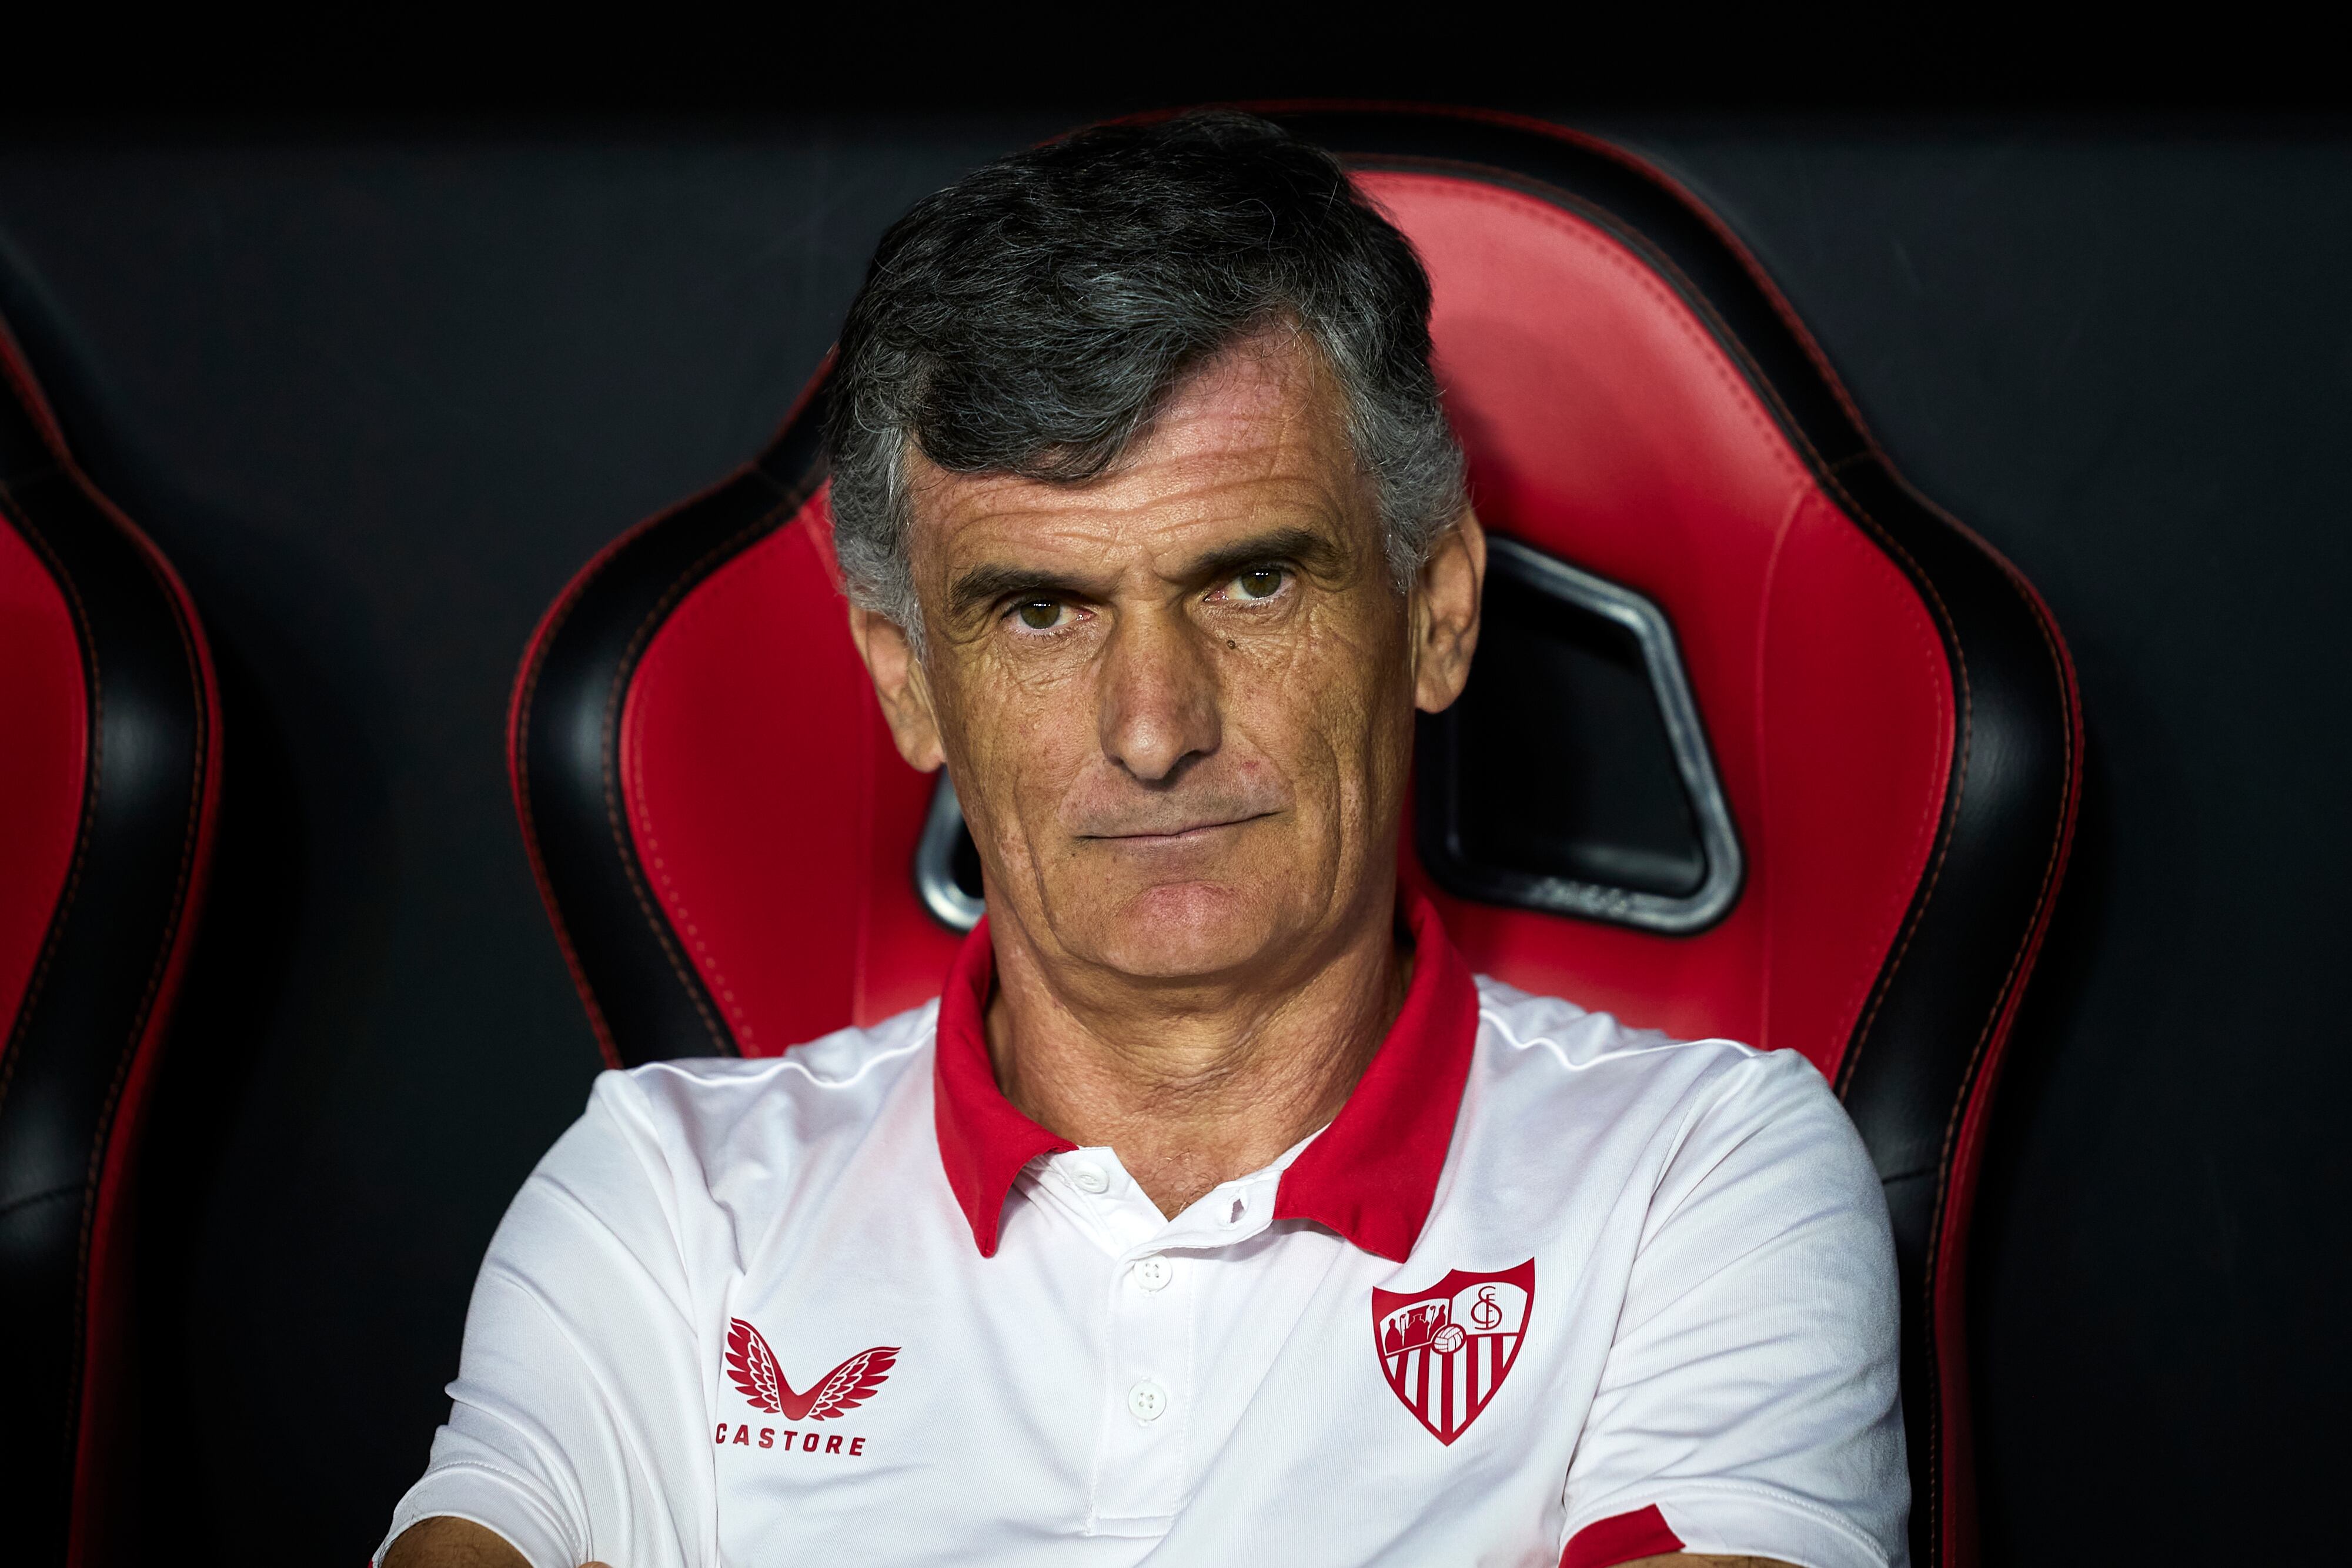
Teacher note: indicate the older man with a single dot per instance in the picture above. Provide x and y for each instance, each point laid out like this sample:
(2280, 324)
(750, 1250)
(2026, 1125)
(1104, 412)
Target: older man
(1214, 1213)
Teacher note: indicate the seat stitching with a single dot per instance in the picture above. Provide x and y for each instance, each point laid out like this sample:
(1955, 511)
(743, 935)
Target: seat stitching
(2051, 868)
(191, 837)
(1933, 662)
(525, 709)
(46, 1195)
(1564, 217)
(624, 679)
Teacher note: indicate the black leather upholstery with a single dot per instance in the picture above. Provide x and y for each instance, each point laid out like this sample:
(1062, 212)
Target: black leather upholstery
(77, 1052)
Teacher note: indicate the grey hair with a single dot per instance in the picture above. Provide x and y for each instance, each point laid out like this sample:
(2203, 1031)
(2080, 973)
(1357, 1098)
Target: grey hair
(1033, 317)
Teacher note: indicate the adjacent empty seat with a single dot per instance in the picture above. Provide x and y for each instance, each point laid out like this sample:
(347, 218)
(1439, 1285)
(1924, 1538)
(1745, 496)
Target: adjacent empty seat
(110, 766)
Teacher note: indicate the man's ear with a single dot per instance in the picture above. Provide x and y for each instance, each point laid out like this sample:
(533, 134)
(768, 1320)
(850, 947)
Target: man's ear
(899, 681)
(1445, 613)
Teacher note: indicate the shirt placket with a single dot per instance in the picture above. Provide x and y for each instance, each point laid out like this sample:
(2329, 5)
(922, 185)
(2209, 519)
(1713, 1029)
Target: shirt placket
(1149, 1396)
(1147, 1375)
(1151, 1309)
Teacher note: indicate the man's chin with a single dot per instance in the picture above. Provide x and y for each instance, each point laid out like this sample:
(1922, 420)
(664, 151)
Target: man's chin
(1179, 930)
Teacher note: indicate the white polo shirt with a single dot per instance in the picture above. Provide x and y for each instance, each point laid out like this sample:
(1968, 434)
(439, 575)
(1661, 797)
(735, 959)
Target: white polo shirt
(1549, 1290)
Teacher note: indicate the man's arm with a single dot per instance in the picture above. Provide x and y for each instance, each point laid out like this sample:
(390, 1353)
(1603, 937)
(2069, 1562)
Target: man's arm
(579, 1356)
(452, 1543)
(1750, 1404)
(462, 1544)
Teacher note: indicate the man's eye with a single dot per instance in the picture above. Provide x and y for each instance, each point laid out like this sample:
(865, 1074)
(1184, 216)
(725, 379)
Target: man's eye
(1259, 582)
(1040, 615)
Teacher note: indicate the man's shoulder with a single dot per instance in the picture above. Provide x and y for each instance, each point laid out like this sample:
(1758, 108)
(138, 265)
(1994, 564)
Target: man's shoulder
(1568, 1039)
(835, 1083)
(1603, 1104)
(1549, 1057)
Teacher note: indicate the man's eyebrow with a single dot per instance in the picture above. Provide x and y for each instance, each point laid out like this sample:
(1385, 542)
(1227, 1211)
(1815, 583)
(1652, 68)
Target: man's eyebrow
(1304, 546)
(991, 580)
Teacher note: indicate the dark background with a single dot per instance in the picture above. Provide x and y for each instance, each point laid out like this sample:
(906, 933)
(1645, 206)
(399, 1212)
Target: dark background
(379, 390)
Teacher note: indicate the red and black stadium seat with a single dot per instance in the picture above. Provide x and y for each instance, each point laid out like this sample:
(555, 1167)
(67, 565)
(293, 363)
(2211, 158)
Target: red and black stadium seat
(110, 768)
(1812, 749)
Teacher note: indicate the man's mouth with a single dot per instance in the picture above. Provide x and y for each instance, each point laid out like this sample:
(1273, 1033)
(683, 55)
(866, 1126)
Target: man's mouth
(1178, 834)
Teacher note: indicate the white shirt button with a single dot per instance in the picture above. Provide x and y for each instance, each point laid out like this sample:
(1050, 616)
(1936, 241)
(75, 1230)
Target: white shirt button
(1147, 1401)
(1153, 1273)
(1089, 1179)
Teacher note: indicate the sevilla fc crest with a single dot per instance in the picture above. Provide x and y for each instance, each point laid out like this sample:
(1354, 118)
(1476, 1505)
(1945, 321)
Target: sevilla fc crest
(1447, 1349)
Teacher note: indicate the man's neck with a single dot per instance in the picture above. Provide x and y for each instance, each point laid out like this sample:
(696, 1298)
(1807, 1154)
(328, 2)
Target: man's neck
(1192, 1088)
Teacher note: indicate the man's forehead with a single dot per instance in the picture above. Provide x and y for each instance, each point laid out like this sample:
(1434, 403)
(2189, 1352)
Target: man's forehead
(1258, 432)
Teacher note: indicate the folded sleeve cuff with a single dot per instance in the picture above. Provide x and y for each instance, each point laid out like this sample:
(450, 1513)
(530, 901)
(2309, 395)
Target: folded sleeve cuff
(1729, 1521)
(494, 1499)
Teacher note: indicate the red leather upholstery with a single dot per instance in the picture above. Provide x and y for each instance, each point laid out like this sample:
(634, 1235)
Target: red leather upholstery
(726, 835)
(45, 716)
(109, 766)
(1605, 424)
(714, 762)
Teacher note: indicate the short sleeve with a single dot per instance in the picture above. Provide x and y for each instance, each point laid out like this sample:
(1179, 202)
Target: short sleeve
(575, 1430)
(1750, 1401)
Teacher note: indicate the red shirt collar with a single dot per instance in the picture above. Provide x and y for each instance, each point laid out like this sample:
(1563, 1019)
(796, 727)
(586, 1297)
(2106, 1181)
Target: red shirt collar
(1372, 1176)
(983, 1141)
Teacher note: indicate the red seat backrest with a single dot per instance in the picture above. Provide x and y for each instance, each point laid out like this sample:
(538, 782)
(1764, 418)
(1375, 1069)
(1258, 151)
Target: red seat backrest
(1607, 426)
(110, 768)
(45, 718)
(727, 836)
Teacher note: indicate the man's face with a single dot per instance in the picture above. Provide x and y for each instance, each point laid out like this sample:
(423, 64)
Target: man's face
(1177, 701)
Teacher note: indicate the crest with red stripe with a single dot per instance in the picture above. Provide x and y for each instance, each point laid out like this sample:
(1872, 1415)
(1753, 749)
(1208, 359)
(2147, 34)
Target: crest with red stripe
(1446, 1350)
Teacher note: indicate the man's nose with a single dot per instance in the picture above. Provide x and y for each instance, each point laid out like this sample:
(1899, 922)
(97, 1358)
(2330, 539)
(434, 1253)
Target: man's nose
(1159, 695)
